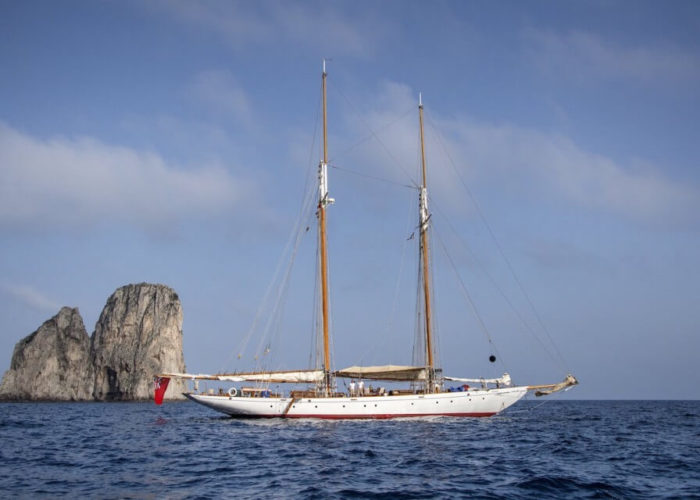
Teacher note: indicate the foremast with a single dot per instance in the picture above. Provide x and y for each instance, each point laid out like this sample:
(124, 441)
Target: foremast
(424, 217)
(323, 201)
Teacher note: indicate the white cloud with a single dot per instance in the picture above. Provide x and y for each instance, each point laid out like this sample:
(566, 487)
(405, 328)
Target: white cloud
(553, 164)
(318, 24)
(392, 146)
(31, 297)
(323, 24)
(525, 162)
(585, 56)
(77, 182)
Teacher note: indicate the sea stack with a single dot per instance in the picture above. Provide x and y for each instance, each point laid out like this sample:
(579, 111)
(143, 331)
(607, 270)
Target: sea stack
(53, 363)
(138, 335)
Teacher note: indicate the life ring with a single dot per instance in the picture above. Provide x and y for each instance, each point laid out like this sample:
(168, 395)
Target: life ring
(233, 392)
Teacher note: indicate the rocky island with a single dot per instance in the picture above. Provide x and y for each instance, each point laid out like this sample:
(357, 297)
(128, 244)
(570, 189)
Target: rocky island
(138, 334)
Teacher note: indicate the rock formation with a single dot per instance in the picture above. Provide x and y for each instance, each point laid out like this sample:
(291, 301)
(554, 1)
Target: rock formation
(139, 334)
(53, 363)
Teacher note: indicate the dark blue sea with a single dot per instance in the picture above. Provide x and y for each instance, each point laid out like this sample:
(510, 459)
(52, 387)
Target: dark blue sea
(561, 449)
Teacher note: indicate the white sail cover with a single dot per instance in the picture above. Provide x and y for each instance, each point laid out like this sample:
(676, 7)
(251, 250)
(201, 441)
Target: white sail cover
(384, 372)
(503, 381)
(292, 377)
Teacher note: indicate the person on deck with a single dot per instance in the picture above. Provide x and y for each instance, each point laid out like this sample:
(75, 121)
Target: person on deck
(361, 387)
(352, 388)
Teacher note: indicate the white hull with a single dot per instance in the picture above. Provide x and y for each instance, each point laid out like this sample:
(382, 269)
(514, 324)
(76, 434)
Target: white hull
(474, 403)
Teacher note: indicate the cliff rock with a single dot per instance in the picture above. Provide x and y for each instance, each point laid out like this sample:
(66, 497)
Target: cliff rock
(53, 363)
(139, 334)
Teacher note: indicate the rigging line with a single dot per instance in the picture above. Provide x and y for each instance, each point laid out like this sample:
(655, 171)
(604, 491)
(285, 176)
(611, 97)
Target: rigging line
(434, 293)
(368, 176)
(550, 397)
(296, 229)
(397, 289)
(435, 287)
(271, 332)
(495, 285)
(292, 245)
(317, 306)
(281, 292)
(314, 351)
(419, 341)
(310, 162)
(331, 335)
(373, 134)
(527, 410)
(418, 354)
(468, 297)
(497, 243)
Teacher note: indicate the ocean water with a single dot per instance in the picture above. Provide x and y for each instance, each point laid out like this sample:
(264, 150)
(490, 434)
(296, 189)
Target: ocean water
(560, 449)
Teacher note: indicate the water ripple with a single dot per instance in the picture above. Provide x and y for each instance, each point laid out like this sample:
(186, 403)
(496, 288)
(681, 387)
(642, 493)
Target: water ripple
(560, 450)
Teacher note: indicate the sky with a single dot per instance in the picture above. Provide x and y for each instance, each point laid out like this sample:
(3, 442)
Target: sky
(174, 142)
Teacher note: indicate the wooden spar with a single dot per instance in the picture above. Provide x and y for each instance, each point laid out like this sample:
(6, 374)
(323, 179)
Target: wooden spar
(424, 255)
(322, 202)
(325, 116)
(289, 406)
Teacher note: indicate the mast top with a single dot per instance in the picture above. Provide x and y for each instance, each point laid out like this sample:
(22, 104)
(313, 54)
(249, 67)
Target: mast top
(420, 96)
(324, 65)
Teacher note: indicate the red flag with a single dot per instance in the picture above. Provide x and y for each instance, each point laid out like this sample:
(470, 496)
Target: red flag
(160, 384)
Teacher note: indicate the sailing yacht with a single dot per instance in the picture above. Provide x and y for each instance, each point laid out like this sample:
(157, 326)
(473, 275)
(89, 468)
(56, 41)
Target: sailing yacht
(427, 395)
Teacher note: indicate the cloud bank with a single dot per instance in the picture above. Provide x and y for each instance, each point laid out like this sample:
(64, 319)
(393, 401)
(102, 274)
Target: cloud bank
(554, 164)
(590, 56)
(82, 181)
(313, 24)
(525, 162)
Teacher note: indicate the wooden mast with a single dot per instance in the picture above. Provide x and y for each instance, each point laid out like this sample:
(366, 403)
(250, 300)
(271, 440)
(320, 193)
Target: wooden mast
(424, 215)
(324, 201)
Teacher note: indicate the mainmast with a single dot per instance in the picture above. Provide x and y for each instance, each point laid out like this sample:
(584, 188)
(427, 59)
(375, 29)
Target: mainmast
(424, 216)
(323, 202)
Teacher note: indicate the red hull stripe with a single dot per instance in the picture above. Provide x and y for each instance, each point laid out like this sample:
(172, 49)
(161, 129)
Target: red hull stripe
(389, 415)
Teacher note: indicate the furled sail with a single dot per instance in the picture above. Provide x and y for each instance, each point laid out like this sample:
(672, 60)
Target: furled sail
(504, 381)
(294, 376)
(544, 390)
(384, 372)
